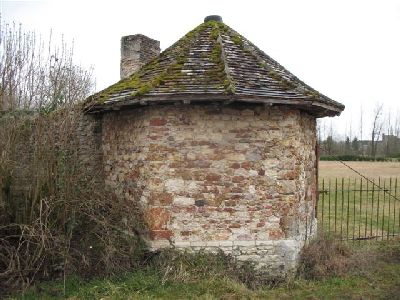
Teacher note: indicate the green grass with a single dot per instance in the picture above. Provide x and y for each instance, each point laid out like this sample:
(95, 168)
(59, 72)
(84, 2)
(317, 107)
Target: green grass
(379, 278)
(144, 285)
(352, 209)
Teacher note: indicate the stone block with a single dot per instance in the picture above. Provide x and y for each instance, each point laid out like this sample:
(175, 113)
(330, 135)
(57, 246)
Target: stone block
(183, 201)
(244, 243)
(265, 243)
(226, 243)
(235, 157)
(288, 186)
(174, 185)
(213, 243)
(182, 244)
(198, 244)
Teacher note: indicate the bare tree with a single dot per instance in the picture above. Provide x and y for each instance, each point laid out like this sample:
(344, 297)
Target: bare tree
(33, 76)
(397, 124)
(377, 126)
(361, 123)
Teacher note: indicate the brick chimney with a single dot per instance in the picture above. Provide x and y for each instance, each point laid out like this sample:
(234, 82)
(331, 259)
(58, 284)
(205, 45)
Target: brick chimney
(136, 50)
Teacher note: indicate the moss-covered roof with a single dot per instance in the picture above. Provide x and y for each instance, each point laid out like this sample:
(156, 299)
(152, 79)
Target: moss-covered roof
(213, 63)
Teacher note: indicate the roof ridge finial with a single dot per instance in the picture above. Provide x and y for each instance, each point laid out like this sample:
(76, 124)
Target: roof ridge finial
(213, 18)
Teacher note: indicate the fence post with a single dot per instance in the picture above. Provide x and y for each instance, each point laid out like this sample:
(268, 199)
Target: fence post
(359, 223)
(348, 210)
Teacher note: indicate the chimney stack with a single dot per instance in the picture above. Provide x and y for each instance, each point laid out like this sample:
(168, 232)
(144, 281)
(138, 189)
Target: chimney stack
(136, 51)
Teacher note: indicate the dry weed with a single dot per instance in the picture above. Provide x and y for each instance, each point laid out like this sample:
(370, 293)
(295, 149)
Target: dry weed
(324, 257)
(62, 221)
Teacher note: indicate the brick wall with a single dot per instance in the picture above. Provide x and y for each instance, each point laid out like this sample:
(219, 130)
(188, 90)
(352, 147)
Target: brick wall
(240, 179)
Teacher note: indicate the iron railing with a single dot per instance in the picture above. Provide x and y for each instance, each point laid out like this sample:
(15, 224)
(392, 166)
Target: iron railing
(359, 209)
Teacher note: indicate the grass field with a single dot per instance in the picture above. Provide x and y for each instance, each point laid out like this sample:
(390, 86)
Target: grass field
(334, 169)
(353, 207)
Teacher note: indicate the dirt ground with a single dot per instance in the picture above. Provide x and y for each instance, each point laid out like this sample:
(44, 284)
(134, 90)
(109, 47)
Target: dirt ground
(333, 169)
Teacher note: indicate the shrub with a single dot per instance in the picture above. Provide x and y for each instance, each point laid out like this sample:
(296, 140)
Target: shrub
(324, 257)
(60, 220)
(390, 250)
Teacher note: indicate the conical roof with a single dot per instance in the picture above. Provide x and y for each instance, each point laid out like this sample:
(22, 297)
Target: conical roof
(213, 63)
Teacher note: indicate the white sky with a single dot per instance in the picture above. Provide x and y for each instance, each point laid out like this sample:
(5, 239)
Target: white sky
(348, 50)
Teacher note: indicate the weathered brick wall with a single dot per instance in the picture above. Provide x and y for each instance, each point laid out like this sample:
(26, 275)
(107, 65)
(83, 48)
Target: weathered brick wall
(240, 179)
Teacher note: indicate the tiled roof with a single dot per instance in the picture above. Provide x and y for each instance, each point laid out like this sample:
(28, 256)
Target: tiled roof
(213, 63)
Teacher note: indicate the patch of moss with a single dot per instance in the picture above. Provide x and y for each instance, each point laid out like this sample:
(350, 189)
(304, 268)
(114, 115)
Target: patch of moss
(217, 73)
(144, 89)
(214, 33)
(229, 86)
(237, 40)
(216, 53)
(313, 94)
(286, 84)
(289, 85)
(124, 84)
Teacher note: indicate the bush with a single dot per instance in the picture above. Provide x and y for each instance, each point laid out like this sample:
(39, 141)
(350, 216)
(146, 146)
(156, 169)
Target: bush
(390, 250)
(324, 257)
(59, 221)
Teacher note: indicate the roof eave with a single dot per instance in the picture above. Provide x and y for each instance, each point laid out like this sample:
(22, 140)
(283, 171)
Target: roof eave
(316, 108)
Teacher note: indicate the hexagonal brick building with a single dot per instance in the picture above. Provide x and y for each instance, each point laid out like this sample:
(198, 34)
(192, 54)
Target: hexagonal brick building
(216, 143)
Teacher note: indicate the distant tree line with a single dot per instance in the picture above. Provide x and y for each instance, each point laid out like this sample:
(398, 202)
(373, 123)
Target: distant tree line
(382, 142)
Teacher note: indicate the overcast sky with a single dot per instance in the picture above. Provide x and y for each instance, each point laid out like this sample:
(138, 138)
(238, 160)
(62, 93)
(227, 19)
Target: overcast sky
(348, 50)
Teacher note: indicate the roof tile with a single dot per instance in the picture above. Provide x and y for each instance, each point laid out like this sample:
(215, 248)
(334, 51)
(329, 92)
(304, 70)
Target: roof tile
(211, 63)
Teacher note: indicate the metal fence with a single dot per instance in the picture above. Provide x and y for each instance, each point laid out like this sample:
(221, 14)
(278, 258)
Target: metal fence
(359, 209)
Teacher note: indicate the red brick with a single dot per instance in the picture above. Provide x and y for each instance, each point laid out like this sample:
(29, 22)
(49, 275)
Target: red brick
(289, 175)
(245, 165)
(237, 179)
(161, 234)
(276, 234)
(237, 190)
(157, 218)
(235, 166)
(134, 174)
(160, 198)
(213, 177)
(230, 203)
(158, 122)
(235, 225)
